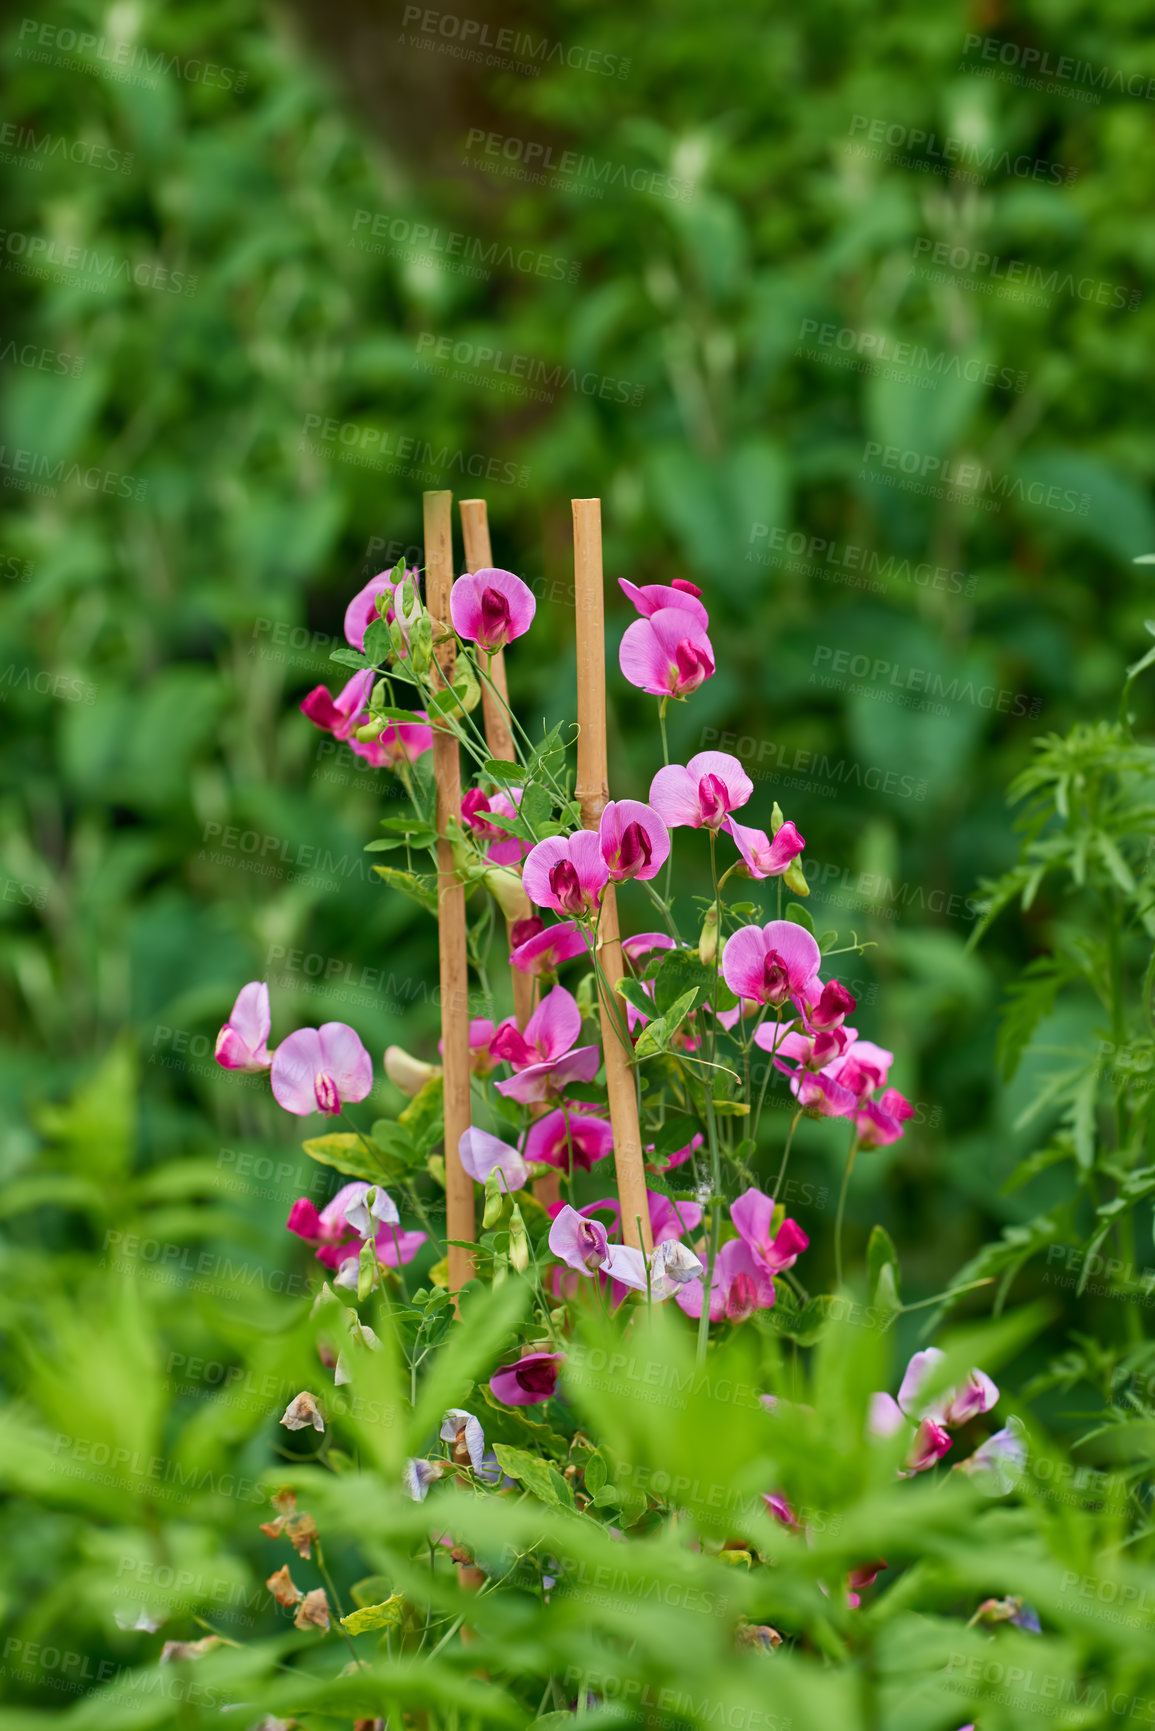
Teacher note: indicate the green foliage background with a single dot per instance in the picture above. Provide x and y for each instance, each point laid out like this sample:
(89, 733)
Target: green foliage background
(155, 645)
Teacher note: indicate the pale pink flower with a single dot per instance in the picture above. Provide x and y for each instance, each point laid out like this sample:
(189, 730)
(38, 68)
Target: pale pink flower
(566, 873)
(771, 963)
(241, 1043)
(701, 793)
(976, 1395)
(544, 950)
(491, 607)
(318, 1069)
(667, 654)
(480, 1154)
(545, 1056)
(740, 1286)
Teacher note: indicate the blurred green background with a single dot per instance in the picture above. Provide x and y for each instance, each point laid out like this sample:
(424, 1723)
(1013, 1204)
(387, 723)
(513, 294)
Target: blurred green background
(266, 278)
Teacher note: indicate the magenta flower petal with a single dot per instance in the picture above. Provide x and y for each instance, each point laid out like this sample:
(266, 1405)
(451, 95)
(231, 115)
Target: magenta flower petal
(765, 858)
(546, 1081)
(395, 1248)
(340, 715)
(241, 1043)
(634, 841)
(491, 607)
(561, 1137)
(667, 654)
(529, 1381)
(753, 1216)
(362, 610)
(651, 596)
(305, 1221)
(318, 1069)
(548, 949)
(831, 1008)
(482, 1154)
(931, 1442)
(669, 1219)
(703, 791)
(739, 1287)
(566, 873)
(555, 1024)
(771, 963)
(644, 944)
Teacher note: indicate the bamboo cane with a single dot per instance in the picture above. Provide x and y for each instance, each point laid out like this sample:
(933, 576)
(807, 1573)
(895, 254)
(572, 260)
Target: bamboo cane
(454, 967)
(593, 795)
(478, 555)
(475, 533)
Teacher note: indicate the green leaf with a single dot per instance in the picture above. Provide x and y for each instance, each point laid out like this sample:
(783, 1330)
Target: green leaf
(538, 1476)
(350, 658)
(1029, 999)
(880, 1255)
(387, 1615)
(731, 1108)
(798, 916)
(395, 1141)
(378, 642)
(487, 1320)
(424, 1117)
(347, 1153)
(501, 770)
(634, 993)
(675, 1134)
(371, 1591)
(680, 973)
(654, 1038)
(422, 890)
(680, 1009)
(596, 1474)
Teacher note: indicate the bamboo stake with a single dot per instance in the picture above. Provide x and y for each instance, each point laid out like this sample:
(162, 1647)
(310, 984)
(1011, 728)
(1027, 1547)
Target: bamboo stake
(454, 966)
(479, 555)
(593, 796)
(475, 533)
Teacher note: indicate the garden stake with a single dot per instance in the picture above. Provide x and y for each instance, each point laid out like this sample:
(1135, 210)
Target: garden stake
(593, 794)
(478, 556)
(454, 966)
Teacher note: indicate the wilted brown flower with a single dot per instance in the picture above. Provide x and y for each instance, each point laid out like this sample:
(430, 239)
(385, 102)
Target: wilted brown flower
(313, 1611)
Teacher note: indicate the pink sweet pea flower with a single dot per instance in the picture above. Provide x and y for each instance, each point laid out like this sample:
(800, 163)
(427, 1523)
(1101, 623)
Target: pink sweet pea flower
(482, 1058)
(344, 1220)
(544, 1056)
(864, 1575)
(667, 654)
(879, 1122)
(394, 1248)
(976, 1395)
(701, 792)
(753, 1217)
(543, 951)
(241, 1042)
(482, 1154)
(681, 593)
(491, 607)
(680, 1157)
(634, 841)
(340, 715)
(504, 849)
(565, 1138)
(999, 1461)
(363, 609)
(831, 1008)
(529, 1381)
(318, 1069)
(771, 963)
(740, 1286)
(863, 1068)
(930, 1441)
(566, 873)
(581, 1243)
(762, 857)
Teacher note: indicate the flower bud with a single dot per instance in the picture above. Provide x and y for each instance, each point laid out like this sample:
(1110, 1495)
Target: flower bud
(366, 1270)
(795, 878)
(371, 730)
(708, 940)
(505, 887)
(494, 1200)
(406, 1072)
(518, 1241)
(776, 818)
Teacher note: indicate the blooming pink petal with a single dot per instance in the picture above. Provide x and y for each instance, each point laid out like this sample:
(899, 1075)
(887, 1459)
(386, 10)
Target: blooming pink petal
(667, 654)
(831, 1008)
(566, 873)
(548, 949)
(765, 858)
(529, 1381)
(702, 791)
(753, 1216)
(545, 1081)
(670, 1219)
(491, 607)
(645, 943)
(340, 715)
(770, 963)
(241, 1042)
(578, 1241)
(739, 1287)
(555, 1024)
(562, 1137)
(482, 1154)
(317, 1069)
(362, 610)
(305, 1221)
(651, 596)
(633, 839)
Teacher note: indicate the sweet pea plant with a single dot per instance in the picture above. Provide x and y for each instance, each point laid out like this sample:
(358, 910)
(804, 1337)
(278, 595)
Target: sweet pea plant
(717, 1002)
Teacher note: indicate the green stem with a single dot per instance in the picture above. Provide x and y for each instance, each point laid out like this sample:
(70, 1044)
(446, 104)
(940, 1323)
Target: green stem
(715, 1228)
(842, 1209)
(786, 1150)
